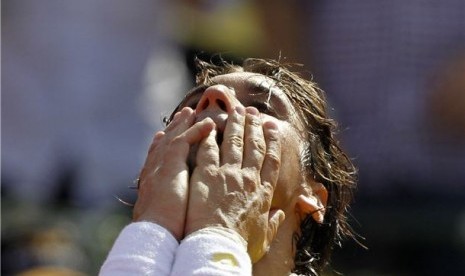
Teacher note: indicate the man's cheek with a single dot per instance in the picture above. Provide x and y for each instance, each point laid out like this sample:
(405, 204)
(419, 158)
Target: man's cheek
(290, 177)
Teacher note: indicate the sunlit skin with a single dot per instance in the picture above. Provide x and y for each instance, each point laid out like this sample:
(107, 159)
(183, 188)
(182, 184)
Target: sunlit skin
(230, 158)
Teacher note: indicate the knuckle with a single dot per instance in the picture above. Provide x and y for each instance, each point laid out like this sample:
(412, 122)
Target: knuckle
(174, 146)
(235, 140)
(234, 158)
(210, 171)
(258, 144)
(267, 190)
(254, 121)
(250, 180)
(209, 147)
(272, 136)
(273, 159)
(176, 141)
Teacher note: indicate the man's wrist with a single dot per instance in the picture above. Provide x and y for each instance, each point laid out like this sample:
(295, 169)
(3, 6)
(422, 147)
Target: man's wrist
(220, 231)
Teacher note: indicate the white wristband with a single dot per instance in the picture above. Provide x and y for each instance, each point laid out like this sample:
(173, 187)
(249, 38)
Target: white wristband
(212, 251)
(142, 248)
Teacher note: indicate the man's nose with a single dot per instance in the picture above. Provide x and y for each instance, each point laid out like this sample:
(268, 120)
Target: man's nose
(217, 97)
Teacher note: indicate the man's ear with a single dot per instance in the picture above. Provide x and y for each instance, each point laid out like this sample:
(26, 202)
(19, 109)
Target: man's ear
(313, 202)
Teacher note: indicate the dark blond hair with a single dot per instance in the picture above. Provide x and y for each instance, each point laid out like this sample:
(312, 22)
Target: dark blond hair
(322, 159)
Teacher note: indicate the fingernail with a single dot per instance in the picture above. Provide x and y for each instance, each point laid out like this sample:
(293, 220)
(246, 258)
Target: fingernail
(252, 110)
(209, 120)
(240, 109)
(282, 217)
(158, 135)
(186, 110)
(270, 125)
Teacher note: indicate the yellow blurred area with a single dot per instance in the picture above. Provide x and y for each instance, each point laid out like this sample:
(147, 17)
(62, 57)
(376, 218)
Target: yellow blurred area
(233, 27)
(50, 271)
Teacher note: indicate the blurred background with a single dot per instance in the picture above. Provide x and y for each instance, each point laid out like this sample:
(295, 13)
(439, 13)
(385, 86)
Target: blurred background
(85, 85)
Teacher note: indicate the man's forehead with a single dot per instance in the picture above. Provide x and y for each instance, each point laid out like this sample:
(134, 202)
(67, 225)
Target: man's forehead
(249, 79)
(245, 77)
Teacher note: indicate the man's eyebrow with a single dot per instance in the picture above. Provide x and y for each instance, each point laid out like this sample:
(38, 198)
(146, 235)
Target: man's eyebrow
(265, 88)
(257, 88)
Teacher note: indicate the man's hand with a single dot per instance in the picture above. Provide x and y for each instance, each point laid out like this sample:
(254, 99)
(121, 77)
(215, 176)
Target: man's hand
(163, 182)
(232, 187)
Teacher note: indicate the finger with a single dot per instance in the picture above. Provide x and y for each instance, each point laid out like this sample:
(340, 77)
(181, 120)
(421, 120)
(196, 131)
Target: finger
(181, 122)
(271, 164)
(254, 143)
(180, 145)
(175, 152)
(275, 220)
(151, 156)
(174, 121)
(208, 153)
(233, 138)
(198, 131)
(156, 140)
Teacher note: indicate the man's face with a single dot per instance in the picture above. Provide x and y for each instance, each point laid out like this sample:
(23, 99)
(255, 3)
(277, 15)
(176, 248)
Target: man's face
(251, 89)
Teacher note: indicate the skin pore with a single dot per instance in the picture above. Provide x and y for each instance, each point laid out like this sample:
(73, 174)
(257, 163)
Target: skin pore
(233, 150)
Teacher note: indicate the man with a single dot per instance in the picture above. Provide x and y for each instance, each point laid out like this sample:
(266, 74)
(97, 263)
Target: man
(247, 176)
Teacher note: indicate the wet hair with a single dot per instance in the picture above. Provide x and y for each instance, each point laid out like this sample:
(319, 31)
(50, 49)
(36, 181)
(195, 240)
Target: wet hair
(322, 158)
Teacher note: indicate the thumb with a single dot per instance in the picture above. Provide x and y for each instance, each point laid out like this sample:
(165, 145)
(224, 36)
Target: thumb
(275, 219)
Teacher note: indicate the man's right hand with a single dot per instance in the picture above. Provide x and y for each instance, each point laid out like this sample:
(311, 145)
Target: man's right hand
(232, 185)
(164, 179)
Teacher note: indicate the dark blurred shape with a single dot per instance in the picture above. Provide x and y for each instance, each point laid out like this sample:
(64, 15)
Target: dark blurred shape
(377, 62)
(74, 130)
(393, 72)
(447, 102)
